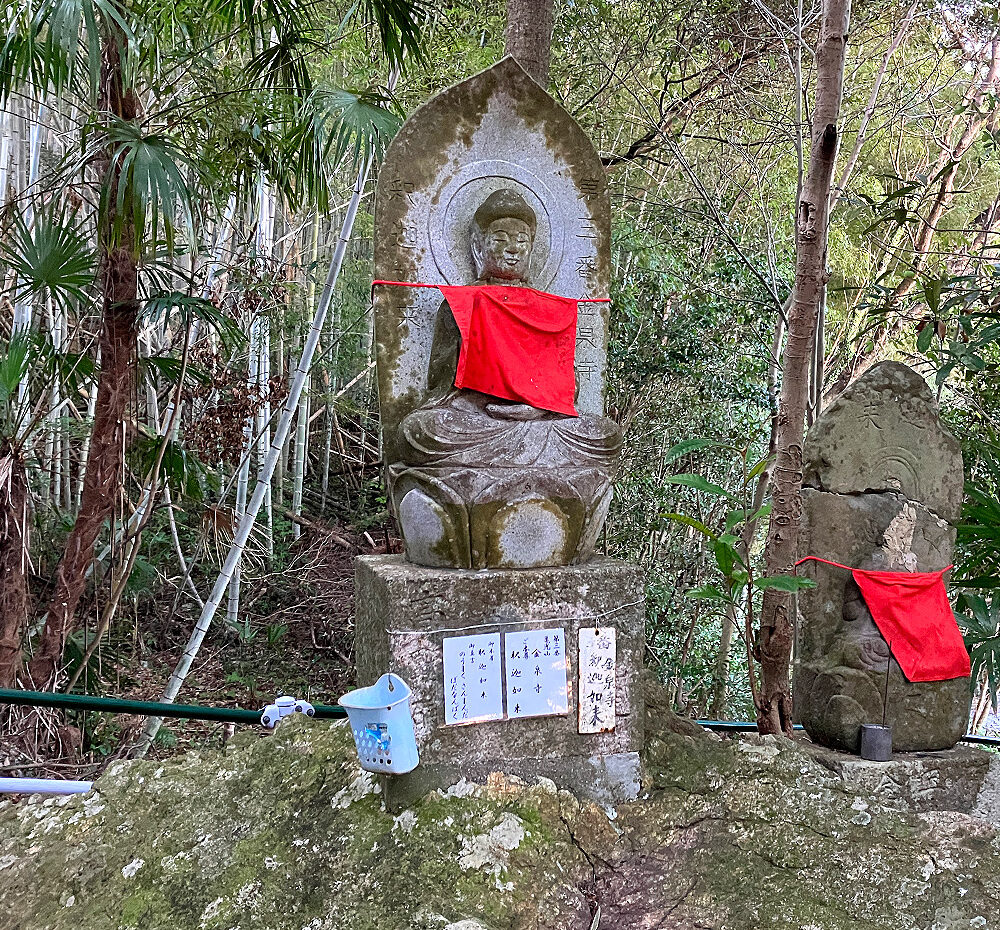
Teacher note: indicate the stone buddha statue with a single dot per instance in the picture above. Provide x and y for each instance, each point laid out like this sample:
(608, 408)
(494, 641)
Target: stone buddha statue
(489, 482)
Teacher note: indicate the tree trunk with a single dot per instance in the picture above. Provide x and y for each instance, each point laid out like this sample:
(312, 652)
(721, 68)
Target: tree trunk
(14, 536)
(528, 37)
(118, 344)
(774, 712)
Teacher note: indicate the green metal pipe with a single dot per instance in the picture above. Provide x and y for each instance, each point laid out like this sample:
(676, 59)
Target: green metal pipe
(147, 708)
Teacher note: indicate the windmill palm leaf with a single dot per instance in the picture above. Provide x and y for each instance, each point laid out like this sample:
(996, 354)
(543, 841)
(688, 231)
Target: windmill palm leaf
(46, 42)
(331, 125)
(398, 23)
(152, 190)
(53, 256)
(187, 309)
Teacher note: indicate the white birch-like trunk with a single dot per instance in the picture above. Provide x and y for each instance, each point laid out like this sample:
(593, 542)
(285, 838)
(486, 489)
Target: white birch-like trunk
(265, 250)
(6, 138)
(24, 307)
(243, 480)
(85, 448)
(302, 418)
(53, 450)
(260, 491)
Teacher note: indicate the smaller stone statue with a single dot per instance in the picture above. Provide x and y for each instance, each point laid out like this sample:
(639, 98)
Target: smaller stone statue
(488, 482)
(883, 487)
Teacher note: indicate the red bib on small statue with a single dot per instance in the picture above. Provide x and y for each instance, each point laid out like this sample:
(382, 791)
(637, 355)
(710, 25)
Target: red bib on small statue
(517, 344)
(912, 612)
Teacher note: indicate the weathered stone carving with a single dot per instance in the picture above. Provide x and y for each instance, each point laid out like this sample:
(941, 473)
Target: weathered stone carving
(491, 182)
(883, 486)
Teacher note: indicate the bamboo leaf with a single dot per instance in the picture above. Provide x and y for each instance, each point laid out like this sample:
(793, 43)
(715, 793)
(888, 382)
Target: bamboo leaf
(706, 592)
(687, 446)
(700, 484)
(789, 583)
(690, 521)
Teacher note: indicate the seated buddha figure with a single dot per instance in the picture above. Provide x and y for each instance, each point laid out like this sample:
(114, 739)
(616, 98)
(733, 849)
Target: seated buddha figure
(491, 481)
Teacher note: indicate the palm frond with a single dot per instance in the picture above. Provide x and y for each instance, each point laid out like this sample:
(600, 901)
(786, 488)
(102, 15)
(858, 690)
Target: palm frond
(254, 20)
(187, 309)
(331, 125)
(282, 67)
(53, 256)
(47, 41)
(15, 361)
(398, 23)
(979, 618)
(151, 190)
(25, 57)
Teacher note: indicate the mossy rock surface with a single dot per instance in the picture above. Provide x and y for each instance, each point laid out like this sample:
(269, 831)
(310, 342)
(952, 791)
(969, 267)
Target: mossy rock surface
(286, 833)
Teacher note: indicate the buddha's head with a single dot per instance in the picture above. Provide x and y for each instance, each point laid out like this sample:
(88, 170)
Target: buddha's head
(503, 233)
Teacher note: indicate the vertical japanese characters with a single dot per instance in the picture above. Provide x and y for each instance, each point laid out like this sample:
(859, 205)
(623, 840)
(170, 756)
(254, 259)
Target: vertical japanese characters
(535, 661)
(534, 666)
(598, 660)
(472, 679)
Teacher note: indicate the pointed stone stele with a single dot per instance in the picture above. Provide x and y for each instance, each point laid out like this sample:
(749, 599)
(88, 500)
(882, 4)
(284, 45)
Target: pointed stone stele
(883, 487)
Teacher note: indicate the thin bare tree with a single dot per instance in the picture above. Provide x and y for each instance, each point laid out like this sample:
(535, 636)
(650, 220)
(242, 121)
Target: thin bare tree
(774, 711)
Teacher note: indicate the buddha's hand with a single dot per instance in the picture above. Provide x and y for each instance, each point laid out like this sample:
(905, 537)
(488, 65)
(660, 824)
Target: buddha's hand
(515, 411)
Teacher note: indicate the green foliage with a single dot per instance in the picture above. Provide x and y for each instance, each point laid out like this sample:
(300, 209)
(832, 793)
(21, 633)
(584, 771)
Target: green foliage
(732, 592)
(978, 603)
(51, 257)
(980, 619)
(961, 327)
(14, 364)
(187, 310)
(147, 181)
(180, 468)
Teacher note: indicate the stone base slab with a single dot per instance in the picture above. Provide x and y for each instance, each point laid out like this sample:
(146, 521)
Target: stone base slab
(404, 611)
(608, 780)
(947, 780)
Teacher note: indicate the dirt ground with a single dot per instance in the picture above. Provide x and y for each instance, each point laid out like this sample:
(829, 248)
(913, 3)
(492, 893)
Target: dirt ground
(296, 637)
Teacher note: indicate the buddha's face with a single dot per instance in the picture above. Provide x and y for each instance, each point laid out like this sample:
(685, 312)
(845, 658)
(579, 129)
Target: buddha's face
(503, 250)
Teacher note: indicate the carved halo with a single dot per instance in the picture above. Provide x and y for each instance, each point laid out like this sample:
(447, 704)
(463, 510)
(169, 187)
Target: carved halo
(459, 198)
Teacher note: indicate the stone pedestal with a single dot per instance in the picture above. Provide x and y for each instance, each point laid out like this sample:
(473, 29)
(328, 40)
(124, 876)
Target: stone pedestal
(404, 611)
(948, 780)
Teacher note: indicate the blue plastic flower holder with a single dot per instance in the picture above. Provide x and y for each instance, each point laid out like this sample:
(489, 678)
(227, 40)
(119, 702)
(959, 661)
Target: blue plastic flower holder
(382, 724)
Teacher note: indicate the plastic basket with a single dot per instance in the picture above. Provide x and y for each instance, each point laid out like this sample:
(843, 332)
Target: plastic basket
(383, 726)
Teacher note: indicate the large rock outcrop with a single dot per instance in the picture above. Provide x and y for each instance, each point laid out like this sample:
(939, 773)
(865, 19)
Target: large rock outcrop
(285, 833)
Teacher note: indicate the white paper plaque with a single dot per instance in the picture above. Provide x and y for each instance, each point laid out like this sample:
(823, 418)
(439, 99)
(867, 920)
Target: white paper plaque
(598, 658)
(535, 662)
(472, 691)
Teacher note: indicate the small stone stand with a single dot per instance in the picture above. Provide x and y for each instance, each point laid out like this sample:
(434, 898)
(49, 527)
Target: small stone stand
(946, 780)
(405, 611)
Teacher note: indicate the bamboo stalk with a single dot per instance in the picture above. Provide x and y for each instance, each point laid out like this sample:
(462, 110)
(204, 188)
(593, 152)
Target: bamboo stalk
(24, 308)
(302, 419)
(85, 448)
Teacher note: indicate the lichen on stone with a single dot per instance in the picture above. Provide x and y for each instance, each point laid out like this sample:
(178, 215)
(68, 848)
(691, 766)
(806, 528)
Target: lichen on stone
(737, 835)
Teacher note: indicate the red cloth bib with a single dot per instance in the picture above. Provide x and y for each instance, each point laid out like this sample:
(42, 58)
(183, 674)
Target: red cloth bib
(517, 344)
(912, 612)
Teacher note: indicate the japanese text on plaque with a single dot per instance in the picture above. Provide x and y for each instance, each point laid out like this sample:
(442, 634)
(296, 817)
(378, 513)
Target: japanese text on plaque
(598, 657)
(535, 662)
(472, 692)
